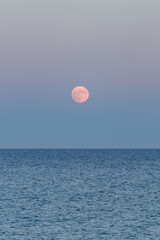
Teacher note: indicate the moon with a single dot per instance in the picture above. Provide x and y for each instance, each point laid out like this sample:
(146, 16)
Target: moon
(80, 94)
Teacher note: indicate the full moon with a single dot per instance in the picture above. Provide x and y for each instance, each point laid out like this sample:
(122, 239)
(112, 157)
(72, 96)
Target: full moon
(80, 94)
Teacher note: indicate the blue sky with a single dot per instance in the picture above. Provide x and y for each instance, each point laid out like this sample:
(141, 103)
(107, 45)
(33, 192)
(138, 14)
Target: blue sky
(49, 47)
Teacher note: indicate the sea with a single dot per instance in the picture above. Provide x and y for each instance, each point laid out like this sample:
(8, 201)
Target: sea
(79, 194)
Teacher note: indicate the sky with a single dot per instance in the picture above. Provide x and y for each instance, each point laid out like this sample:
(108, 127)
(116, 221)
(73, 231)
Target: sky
(48, 47)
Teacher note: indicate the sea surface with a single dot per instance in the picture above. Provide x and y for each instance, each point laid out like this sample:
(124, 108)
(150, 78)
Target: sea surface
(79, 194)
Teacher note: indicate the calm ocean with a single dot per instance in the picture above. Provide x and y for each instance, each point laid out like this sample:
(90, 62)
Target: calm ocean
(79, 194)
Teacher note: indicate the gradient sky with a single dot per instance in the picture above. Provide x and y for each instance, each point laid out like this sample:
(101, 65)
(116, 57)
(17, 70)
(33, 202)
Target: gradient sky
(48, 47)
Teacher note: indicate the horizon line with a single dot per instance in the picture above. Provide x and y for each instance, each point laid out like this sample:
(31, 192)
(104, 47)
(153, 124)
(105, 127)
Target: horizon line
(79, 148)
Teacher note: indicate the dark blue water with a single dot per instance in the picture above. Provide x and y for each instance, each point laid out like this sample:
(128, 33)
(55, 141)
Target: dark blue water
(79, 194)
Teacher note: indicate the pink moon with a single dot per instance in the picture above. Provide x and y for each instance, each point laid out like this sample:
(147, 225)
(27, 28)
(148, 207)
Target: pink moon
(80, 94)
